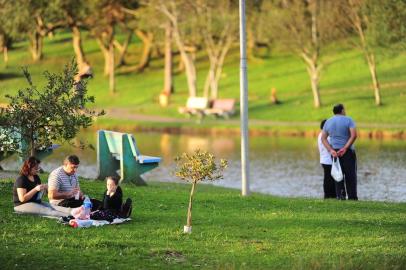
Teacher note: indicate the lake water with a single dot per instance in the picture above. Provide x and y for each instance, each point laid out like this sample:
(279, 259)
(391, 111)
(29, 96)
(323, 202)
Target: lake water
(286, 167)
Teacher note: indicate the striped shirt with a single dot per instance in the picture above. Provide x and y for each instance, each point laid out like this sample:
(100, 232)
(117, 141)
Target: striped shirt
(62, 182)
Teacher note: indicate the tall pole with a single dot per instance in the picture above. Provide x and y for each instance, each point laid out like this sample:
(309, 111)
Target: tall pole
(245, 188)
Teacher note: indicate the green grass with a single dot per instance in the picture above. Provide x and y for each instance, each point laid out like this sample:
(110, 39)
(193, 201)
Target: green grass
(345, 79)
(229, 232)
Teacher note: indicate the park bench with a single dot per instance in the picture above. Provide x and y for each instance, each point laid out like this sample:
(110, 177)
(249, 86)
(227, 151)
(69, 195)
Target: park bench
(119, 152)
(22, 146)
(221, 108)
(195, 106)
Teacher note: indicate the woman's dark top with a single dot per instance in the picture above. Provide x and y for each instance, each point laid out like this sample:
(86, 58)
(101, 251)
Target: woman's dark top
(23, 182)
(114, 202)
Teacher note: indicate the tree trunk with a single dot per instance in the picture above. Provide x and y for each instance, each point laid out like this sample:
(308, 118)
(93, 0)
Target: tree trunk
(250, 39)
(32, 149)
(106, 56)
(220, 62)
(5, 55)
(36, 46)
(209, 78)
(186, 58)
(181, 66)
(168, 81)
(314, 73)
(189, 210)
(374, 76)
(112, 83)
(123, 49)
(369, 55)
(190, 73)
(311, 56)
(77, 47)
(146, 38)
(314, 79)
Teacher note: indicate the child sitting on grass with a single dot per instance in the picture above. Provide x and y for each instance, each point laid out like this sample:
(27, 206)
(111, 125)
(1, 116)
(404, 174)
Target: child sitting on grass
(112, 206)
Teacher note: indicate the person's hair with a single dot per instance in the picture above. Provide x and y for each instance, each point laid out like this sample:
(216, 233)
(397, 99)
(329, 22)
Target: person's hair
(322, 123)
(28, 164)
(114, 179)
(338, 108)
(72, 159)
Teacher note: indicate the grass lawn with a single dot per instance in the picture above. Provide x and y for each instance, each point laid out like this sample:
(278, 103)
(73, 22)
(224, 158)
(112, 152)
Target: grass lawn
(345, 79)
(229, 232)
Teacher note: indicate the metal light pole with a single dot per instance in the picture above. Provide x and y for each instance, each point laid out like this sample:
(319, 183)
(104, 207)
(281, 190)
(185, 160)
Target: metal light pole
(245, 189)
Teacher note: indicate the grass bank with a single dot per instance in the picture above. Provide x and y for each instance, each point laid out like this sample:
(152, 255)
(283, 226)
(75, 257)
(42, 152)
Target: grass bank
(229, 232)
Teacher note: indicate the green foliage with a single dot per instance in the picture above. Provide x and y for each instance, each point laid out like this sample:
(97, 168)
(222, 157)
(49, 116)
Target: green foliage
(35, 118)
(387, 22)
(200, 166)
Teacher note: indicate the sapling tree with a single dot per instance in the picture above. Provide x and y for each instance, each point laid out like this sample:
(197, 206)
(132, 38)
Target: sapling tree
(197, 167)
(35, 118)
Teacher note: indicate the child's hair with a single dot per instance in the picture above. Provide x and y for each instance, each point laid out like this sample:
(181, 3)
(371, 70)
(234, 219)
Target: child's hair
(322, 123)
(113, 178)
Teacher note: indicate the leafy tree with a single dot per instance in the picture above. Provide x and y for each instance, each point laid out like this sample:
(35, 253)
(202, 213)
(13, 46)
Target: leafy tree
(378, 23)
(195, 168)
(305, 26)
(36, 118)
(37, 19)
(218, 32)
(185, 35)
(105, 17)
(75, 13)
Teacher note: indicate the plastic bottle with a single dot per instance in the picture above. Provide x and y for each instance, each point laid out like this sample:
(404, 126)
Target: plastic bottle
(87, 205)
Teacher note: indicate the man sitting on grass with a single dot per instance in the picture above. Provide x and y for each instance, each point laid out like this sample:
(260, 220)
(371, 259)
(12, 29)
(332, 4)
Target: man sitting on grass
(63, 185)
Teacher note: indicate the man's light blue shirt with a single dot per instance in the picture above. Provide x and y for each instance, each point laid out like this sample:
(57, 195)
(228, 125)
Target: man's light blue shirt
(338, 128)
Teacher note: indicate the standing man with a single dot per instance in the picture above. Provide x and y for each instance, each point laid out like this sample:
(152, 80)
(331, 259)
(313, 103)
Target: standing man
(63, 185)
(341, 130)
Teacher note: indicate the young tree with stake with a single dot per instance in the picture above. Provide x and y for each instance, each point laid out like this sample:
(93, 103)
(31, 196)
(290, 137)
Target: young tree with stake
(195, 168)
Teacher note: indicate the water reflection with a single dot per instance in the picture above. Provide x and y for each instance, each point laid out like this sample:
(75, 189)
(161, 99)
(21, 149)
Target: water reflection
(279, 166)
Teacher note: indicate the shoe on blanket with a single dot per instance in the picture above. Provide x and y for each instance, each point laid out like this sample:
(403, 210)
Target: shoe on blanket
(127, 208)
(65, 220)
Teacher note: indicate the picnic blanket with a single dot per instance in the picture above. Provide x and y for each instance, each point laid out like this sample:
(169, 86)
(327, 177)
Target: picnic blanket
(85, 223)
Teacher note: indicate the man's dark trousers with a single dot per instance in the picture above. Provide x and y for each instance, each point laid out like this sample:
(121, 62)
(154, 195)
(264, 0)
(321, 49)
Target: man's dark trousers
(328, 183)
(348, 163)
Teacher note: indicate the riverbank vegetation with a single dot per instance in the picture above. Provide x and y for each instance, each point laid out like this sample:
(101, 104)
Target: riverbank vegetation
(230, 232)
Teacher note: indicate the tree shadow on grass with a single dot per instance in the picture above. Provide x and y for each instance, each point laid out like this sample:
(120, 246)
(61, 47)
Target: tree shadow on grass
(60, 40)
(9, 75)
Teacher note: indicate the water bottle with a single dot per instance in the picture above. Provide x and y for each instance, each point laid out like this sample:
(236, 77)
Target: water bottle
(87, 205)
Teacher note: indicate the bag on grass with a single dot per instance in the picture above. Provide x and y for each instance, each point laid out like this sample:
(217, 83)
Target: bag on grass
(336, 171)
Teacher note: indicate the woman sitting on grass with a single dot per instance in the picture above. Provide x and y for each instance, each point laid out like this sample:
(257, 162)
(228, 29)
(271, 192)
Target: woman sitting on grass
(28, 190)
(112, 206)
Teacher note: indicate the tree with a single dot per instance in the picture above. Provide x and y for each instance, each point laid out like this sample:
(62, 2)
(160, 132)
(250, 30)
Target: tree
(36, 118)
(258, 30)
(76, 13)
(183, 33)
(105, 17)
(305, 26)
(195, 168)
(144, 24)
(37, 18)
(219, 32)
(10, 26)
(359, 21)
(377, 24)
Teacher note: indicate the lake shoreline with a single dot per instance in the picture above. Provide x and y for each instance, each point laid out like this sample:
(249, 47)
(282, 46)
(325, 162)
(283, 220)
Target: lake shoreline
(275, 131)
